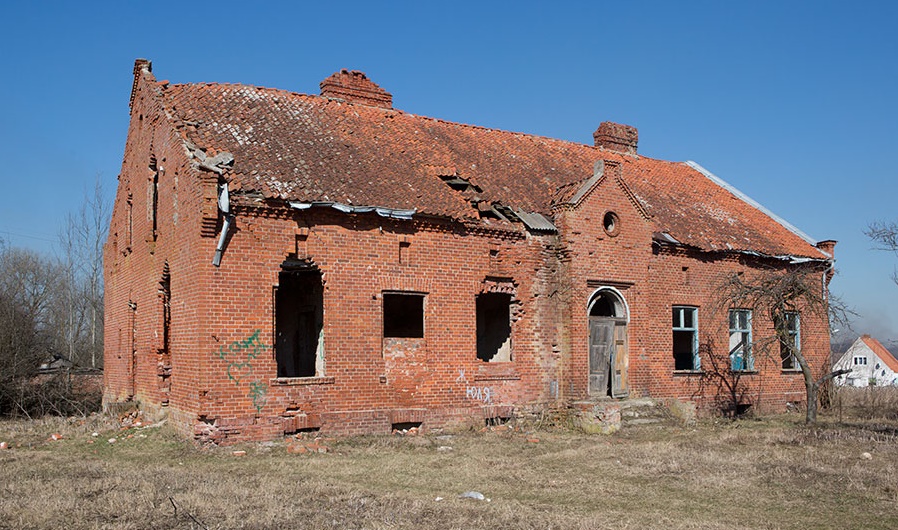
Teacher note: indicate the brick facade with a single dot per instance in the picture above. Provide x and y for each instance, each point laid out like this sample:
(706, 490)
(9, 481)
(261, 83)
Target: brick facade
(199, 342)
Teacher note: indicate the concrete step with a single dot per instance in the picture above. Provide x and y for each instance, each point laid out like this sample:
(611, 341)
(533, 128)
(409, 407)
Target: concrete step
(606, 415)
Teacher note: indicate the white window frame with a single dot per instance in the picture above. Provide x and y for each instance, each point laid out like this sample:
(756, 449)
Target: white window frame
(679, 324)
(741, 358)
(793, 331)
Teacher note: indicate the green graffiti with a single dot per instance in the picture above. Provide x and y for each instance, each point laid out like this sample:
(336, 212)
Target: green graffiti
(237, 372)
(257, 392)
(240, 354)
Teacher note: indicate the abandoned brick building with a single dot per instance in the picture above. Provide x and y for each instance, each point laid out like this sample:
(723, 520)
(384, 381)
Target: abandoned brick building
(280, 262)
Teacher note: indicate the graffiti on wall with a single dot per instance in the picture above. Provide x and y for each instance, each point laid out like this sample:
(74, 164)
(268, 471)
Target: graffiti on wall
(484, 394)
(240, 355)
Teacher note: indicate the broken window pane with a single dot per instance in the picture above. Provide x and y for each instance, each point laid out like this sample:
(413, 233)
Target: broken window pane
(685, 338)
(740, 340)
(790, 339)
(403, 315)
(299, 314)
(494, 327)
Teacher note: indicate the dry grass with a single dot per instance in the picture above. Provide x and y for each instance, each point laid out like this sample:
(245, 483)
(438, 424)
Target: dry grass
(749, 474)
(870, 403)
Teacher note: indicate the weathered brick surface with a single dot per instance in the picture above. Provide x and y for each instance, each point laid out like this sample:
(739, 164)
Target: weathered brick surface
(217, 381)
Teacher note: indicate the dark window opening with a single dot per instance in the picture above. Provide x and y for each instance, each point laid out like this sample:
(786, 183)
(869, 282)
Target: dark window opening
(685, 338)
(405, 427)
(153, 198)
(403, 315)
(496, 421)
(165, 293)
(130, 226)
(299, 314)
(494, 327)
(164, 366)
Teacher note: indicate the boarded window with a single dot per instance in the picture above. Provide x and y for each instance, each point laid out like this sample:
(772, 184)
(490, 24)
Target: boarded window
(299, 315)
(685, 338)
(403, 315)
(494, 327)
(789, 329)
(740, 340)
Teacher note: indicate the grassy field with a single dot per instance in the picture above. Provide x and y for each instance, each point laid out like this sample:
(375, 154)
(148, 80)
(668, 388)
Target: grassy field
(771, 473)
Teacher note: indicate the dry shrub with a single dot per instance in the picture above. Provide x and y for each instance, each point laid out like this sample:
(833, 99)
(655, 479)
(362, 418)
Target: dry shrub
(869, 403)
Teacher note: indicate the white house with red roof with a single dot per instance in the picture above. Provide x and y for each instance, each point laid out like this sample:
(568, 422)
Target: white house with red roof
(870, 363)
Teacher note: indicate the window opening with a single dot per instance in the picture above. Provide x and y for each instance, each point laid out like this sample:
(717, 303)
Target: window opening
(403, 315)
(128, 238)
(740, 340)
(611, 223)
(493, 327)
(406, 427)
(685, 338)
(789, 327)
(860, 361)
(299, 323)
(164, 354)
(153, 197)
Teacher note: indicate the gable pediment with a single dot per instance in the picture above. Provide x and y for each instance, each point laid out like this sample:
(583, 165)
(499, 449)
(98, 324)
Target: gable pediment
(604, 171)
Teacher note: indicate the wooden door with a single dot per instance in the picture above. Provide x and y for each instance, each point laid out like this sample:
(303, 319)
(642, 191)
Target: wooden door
(601, 345)
(620, 362)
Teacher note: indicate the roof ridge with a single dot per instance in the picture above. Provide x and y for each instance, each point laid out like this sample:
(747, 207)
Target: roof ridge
(755, 204)
(531, 136)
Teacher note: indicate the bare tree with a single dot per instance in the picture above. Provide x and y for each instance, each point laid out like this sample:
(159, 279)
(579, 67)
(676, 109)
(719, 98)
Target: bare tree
(50, 308)
(28, 284)
(81, 256)
(781, 293)
(885, 234)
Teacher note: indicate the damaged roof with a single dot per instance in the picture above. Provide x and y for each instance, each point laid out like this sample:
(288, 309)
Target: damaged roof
(349, 146)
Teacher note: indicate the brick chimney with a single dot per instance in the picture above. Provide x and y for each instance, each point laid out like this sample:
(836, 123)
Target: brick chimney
(616, 137)
(828, 246)
(355, 87)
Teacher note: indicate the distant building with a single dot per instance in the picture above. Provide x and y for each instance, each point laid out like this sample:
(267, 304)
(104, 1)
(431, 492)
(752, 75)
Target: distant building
(870, 363)
(280, 262)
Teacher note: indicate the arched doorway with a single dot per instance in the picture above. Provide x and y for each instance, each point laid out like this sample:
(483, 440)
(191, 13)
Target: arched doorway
(608, 345)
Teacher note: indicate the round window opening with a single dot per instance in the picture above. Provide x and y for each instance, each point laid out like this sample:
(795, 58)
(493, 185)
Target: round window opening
(611, 224)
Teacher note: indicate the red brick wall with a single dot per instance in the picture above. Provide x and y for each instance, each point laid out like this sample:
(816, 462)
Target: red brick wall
(364, 373)
(651, 283)
(223, 383)
(134, 261)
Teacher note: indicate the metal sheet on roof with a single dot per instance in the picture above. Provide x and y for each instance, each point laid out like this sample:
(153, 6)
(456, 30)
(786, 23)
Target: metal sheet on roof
(391, 213)
(535, 221)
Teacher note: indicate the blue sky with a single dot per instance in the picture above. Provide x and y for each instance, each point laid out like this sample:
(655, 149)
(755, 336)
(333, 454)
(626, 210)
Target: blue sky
(794, 103)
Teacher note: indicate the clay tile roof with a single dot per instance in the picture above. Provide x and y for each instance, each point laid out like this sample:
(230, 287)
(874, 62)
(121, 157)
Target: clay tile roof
(881, 352)
(313, 148)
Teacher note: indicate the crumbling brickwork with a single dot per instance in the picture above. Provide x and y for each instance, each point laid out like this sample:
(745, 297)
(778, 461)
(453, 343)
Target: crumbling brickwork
(346, 298)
